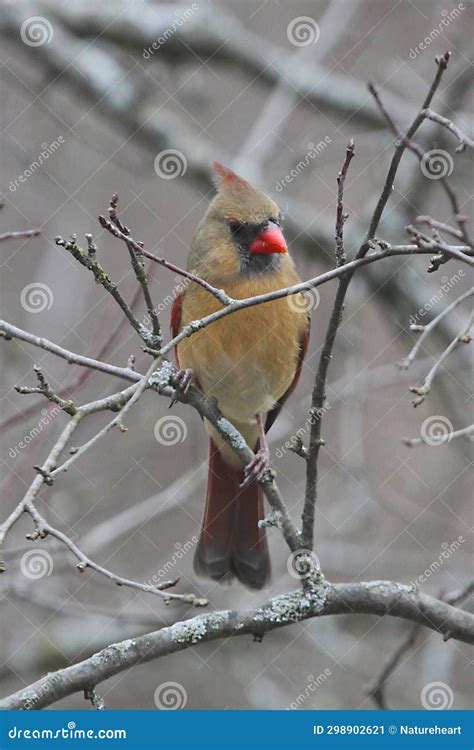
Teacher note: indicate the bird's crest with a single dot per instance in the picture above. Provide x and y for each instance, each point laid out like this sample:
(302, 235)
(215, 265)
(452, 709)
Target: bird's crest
(237, 198)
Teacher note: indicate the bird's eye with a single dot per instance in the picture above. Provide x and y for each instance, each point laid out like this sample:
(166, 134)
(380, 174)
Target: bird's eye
(235, 225)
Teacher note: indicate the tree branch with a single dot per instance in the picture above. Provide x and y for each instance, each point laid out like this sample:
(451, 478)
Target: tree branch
(376, 598)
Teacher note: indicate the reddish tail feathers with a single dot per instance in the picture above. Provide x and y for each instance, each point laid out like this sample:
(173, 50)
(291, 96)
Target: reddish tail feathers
(231, 544)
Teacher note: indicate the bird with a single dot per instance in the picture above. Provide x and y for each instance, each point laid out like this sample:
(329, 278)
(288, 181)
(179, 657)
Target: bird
(249, 361)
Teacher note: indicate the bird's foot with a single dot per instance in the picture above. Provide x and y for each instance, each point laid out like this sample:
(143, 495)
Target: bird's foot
(258, 466)
(181, 382)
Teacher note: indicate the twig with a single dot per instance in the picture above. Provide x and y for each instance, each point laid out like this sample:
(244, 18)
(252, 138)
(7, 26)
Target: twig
(376, 689)
(464, 140)
(23, 234)
(464, 432)
(319, 389)
(426, 330)
(404, 140)
(139, 271)
(401, 145)
(423, 390)
(45, 389)
(9, 331)
(340, 215)
(439, 225)
(89, 261)
(219, 294)
(43, 529)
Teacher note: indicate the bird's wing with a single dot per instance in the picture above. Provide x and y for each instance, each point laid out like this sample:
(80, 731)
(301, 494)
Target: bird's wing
(272, 415)
(175, 323)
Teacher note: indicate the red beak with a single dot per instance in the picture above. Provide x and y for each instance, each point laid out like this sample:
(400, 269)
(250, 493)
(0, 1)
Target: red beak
(269, 240)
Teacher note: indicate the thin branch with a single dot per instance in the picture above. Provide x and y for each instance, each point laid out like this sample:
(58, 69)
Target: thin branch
(220, 294)
(340, 215)
(464, 432)
(426, 330)
(43, 529)
(463, 139)
(423, 390)
(139, 271)
(376, 597)
(376, 689)
(401, 145)
(439, 226)
(9, 331)
(23, 234)
(88, 260)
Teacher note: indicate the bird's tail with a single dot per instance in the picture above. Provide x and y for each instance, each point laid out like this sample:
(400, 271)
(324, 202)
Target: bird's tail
(231, 543)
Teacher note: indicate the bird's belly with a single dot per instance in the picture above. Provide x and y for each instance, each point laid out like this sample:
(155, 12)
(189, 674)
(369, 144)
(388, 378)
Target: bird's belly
(245, 361)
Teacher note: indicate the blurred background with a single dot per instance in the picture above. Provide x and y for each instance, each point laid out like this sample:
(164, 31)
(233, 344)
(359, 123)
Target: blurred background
(138, 98)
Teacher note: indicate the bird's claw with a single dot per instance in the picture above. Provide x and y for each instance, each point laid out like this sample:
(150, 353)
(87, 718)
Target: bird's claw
(181, 382)
(257, 468)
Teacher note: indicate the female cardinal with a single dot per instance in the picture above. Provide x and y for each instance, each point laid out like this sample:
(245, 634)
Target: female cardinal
(250, 361)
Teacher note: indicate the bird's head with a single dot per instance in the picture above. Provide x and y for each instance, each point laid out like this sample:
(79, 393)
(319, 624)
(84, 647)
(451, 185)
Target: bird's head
(241, 231)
